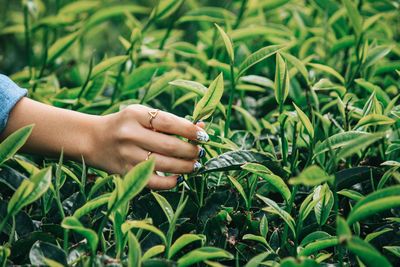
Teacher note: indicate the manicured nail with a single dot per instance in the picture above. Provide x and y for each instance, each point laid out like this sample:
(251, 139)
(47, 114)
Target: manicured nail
(202, 153)
(180, 180)
(202, 136)
(196, 166)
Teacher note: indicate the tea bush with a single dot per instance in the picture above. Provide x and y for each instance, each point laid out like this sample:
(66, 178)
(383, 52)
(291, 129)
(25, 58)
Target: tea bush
(301, 102)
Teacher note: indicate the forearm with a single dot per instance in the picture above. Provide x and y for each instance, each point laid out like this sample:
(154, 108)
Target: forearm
(55, 129)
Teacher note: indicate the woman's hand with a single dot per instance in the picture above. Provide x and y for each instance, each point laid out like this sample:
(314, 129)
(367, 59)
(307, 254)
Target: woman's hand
(113, 143)
(137, 133)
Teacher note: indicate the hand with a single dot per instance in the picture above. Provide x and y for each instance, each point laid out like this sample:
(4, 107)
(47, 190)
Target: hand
(126, 138)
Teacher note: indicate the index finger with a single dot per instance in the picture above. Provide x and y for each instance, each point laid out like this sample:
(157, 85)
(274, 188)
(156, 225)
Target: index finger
(169, 123)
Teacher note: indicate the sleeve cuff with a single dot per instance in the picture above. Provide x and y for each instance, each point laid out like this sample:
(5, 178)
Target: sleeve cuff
(10, 94)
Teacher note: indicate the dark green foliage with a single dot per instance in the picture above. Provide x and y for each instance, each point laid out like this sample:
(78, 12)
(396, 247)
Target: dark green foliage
(301, 101)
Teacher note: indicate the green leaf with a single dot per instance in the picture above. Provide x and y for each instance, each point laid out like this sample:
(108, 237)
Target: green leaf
(73, 223)
(41, 251)
(201, 254)
(266, 174)
(298, 64)
(134, 181)
(374, 119)
(109, 12)
(264, 226)
(311, 176)
(342, 229)
(60, 46)
(79, 7)
(318, 245)
(126, 226)
(282, 81)
(134, 252)
(164, 204)
(160, 85)
(359, 143)
(257, 238)
(166, 8)
(324, 206)
(305, 121)
(328, 70)
(274, 208)
(314, 236)
(209, 14)
(256, 260)
(338, 140)
(107, 64)
(210, 100)
(370, 88)
(354, 15)
(373, 235)
(29, 191)
(239, 187)
(184, 240)
(354, 195)
(375, 202)
(233, 160)
(14, 142)
(250, 120)
(153, 251)
(258, 56)
(292, 262)
(376, 53)
(91, 205)
(366, 252)
(394, 249)
(227, 42)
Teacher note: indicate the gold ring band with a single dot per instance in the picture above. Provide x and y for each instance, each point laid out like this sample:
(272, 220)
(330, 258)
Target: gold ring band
(153, 115)
(148, 155)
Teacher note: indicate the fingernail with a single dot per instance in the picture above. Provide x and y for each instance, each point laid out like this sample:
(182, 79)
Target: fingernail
(196, 166)
(202, 153)
(180, 180)
(202, 136)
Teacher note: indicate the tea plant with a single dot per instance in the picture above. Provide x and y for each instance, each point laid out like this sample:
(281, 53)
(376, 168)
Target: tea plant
(301, 102)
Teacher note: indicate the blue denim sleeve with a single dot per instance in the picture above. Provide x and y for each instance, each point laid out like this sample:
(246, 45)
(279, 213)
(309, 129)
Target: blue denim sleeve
(10, 94)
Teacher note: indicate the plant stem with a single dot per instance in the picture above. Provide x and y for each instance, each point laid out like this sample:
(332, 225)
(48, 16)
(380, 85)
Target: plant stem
(27, 41)
(12, 233)
(233, 89)
(241, 12)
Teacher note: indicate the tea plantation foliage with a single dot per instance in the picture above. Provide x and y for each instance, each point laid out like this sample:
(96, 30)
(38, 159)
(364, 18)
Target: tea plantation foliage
(303, 115)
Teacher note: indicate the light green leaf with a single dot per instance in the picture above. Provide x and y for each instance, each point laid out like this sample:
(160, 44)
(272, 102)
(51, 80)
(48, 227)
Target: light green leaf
(375, 202)
(91, 205)
(29, 191)
(258, 56)
(201, 254)
(394, 249)
(354, 15)
(273, 179)
(153, 251)
(282, 82)
(311, 176)
(370, 87)
(74, 224)
(134, 252)
(373, 235)
(354, 195)
(318, 245)
(184, 240)
(257, 238)
(166, 8)
(239, 187)
(328, 70)
(359, 143)
(160, 85)
(374, 119)
(366, 252)
(210, 100)
(165, 206)
(107, 64)
(126, 226)
(256, 260)
(324, 206)
(305, 121)
(274, 208)
(251, 121)
(264, 226)
(227, 42)
(14, 142)
(134, 181)
(298, 64)
(60, 46)
(79, 7)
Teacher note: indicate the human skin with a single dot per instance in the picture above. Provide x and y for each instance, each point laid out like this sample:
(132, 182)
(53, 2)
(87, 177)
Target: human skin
(113, 143)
